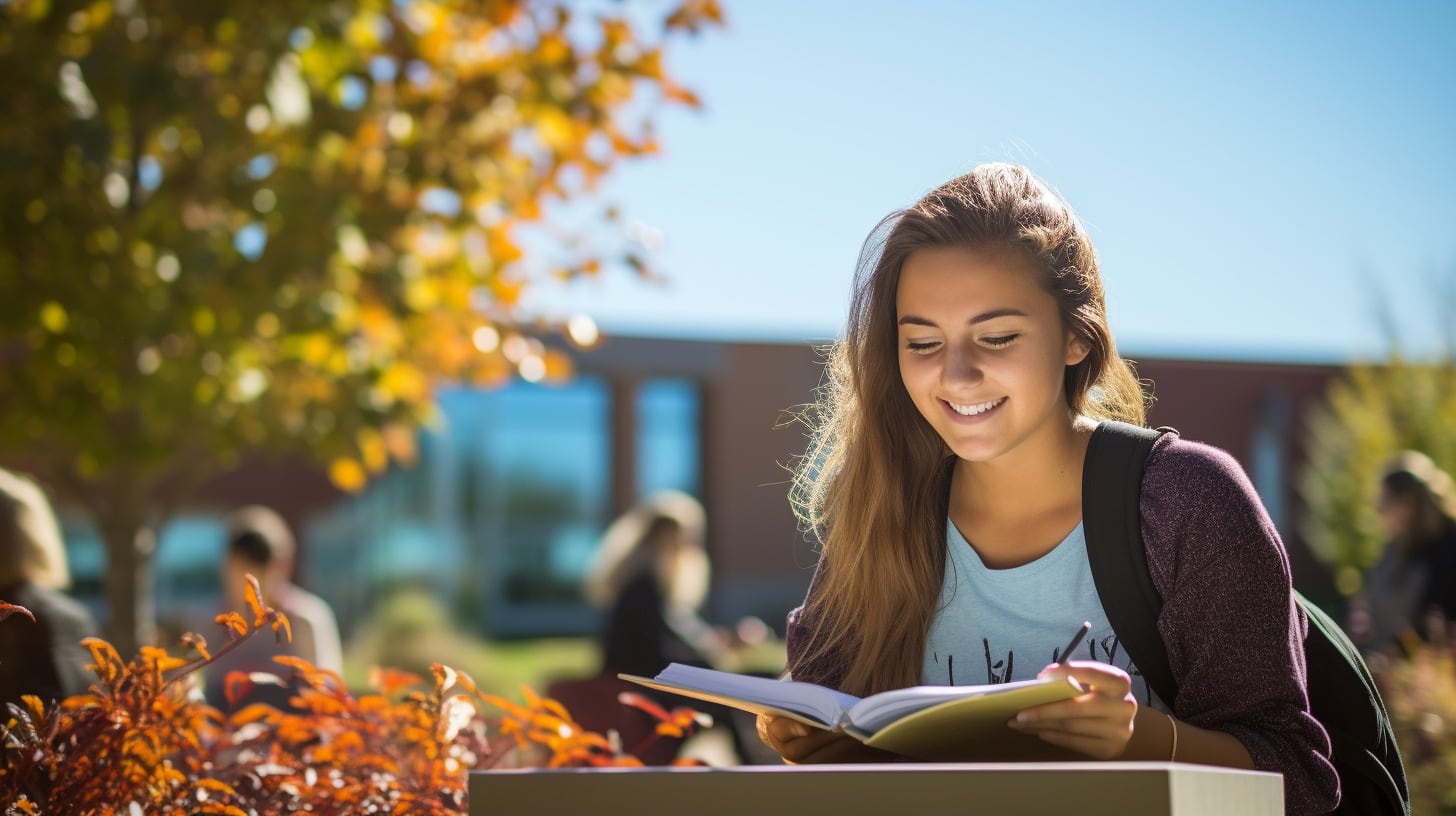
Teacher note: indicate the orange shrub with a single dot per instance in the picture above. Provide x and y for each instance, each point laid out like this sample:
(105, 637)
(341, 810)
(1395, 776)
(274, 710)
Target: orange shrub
(142, 741)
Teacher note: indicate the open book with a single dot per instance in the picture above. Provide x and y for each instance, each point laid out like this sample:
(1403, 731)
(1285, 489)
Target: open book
(941, 723)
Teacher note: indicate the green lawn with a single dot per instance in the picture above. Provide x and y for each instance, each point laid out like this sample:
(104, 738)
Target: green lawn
(412, 631)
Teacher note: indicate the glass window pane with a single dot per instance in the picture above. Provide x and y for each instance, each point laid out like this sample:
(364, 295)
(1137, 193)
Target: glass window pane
(668, 437)
(542, 472)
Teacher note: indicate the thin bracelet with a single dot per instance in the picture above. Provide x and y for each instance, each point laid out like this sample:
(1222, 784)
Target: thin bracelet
(1173, 754)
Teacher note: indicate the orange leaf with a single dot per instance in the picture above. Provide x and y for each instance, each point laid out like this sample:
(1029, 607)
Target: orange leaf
(34, 707)
(6, 610)
(673, 93)
(252, 712)
(638, 701)
(282, 630)
(444, 677)
(532, 699)
(215, 785)
(558, 709)
(388, 681)
(507, 706)
(254, 596)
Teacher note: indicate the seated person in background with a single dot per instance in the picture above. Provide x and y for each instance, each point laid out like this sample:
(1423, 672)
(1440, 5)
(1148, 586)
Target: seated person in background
(259, 543)
(651, 576)
(43, 657)
(1415, 577)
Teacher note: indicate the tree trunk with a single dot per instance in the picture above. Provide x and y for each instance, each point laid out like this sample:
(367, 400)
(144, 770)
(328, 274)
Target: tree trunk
(130, 580)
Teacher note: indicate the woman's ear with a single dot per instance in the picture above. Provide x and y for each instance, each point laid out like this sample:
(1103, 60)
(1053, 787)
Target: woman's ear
(1077, 349)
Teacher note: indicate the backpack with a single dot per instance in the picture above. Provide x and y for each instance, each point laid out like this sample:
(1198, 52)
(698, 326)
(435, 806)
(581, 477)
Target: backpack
(1342, 694)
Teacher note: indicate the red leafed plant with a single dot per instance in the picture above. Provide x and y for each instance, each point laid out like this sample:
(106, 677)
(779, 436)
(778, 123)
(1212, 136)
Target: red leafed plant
(142, 741)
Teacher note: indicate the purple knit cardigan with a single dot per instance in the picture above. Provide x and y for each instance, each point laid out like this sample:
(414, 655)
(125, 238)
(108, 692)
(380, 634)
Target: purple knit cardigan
(1233, 632)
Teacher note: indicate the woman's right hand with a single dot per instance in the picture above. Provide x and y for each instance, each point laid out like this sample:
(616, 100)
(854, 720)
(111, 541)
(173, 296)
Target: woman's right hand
(798, 743)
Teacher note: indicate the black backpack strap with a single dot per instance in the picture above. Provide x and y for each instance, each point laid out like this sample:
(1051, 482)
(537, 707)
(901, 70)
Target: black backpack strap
(1112, 480)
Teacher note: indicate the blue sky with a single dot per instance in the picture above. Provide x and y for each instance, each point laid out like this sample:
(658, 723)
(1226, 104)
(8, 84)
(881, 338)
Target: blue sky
(1255, 176)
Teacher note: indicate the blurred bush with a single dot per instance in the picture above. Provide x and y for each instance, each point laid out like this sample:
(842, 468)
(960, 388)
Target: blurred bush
(1372, 411)
(142, 741)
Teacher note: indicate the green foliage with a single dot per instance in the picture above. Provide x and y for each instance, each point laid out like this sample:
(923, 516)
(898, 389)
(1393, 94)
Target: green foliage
(410, 628)
(1372, 411)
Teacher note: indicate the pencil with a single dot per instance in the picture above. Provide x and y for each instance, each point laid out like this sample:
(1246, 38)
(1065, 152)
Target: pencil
(1076, 641)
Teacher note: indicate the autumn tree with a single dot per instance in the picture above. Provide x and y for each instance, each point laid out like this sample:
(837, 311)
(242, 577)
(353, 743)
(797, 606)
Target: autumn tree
(235, 226)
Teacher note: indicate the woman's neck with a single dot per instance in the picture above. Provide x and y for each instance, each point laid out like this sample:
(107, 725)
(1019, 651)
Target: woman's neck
(1044, 472)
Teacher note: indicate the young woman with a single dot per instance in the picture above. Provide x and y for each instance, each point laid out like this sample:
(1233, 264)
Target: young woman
(944, 483)
(1415, 577)
(651, 576)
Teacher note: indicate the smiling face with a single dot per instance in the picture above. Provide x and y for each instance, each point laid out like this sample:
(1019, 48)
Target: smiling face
(983, 349)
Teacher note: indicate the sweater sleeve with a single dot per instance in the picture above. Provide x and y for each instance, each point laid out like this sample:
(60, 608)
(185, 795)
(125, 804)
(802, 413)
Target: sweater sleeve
(1232, 628)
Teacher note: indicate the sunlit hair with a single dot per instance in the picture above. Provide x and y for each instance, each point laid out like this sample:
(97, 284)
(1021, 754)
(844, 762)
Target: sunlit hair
(634, 544)
(1412, 475)
(30, 538)
(873, 485)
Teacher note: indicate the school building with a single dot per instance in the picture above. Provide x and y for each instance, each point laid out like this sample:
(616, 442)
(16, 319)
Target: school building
(501, 514)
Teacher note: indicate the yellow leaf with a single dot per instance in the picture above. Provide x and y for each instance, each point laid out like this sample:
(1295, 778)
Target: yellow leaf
(650, 65)
(373, 450)
(552, 49)
(362, 32)
(204, 321)
(556, 130)
(421, 294)
(507, 292)
(405, 382)
(347, 475)
(53, 317)
(316, 348)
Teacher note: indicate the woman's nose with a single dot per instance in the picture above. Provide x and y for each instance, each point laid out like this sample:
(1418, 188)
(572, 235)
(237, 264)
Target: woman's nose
(962, 366)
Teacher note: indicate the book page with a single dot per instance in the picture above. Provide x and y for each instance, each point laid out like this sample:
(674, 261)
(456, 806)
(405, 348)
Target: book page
(972, 728)
(815, 705)
(878, 710)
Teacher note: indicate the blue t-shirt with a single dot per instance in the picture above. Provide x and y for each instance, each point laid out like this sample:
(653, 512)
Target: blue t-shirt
(999, 625)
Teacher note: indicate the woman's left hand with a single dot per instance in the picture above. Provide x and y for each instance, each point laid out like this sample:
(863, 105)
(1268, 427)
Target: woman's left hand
(1097, 723)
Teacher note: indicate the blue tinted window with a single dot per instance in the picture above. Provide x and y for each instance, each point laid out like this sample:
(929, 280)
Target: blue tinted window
(188, 553)
(540, 472)
(503, 508)
(668, 437)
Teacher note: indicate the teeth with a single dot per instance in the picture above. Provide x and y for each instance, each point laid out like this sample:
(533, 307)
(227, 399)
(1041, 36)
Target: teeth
(972, 410)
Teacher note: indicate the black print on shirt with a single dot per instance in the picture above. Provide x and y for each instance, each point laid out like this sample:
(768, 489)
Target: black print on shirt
(1102, 650)
(949, 666)
(1009, 663)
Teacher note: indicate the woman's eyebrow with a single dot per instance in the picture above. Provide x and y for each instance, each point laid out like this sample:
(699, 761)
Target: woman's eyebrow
(915, 320)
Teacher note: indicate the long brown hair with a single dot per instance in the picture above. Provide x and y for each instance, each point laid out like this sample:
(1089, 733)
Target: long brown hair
(873, 485)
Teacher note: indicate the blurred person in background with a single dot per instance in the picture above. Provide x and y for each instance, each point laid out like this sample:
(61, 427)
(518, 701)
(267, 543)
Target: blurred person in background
(1415, 578)
(259, 543)
(43, 657)
(651, 576)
